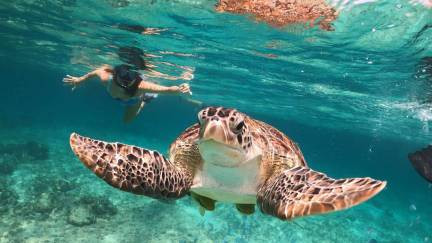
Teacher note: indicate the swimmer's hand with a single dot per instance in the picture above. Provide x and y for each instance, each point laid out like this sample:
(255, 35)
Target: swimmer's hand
(184, 88)
(152, 31)
(188, 75)
(72, 81)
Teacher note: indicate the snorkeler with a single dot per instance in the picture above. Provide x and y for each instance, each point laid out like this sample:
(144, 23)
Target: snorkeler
(125, 84)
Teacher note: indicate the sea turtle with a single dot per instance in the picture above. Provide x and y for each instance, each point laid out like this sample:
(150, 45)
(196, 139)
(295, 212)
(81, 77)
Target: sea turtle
(226, 157)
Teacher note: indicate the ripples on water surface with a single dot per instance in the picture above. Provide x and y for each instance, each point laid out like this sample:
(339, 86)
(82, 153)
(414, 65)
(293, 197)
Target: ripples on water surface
(357, 100)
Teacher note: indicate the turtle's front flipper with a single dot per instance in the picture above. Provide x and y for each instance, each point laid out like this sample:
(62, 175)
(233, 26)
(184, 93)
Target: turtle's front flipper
(131, 168)
(301, 191)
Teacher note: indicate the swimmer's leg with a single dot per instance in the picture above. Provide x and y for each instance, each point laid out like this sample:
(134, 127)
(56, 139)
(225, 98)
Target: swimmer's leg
(195, 103)
(132, 111)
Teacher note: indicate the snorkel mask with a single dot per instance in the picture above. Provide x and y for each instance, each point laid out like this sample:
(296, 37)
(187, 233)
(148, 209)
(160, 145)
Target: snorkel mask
(127, 78)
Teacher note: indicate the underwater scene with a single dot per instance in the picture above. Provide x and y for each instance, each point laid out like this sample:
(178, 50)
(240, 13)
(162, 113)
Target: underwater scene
(345, 83)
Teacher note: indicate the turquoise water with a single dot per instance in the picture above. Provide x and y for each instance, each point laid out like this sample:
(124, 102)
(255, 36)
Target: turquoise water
(355, 100)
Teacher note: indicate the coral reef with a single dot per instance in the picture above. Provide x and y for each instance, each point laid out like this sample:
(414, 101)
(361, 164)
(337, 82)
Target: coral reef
(283, 12)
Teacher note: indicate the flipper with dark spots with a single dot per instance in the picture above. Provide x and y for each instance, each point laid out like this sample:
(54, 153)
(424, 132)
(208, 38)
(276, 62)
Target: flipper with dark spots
(131, 168)
(301, 191)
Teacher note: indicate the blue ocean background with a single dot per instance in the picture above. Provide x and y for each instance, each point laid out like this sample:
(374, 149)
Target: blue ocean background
(357, 100)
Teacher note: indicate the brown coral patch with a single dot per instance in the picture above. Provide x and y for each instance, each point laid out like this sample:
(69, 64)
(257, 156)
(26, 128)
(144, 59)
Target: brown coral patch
(280, 13)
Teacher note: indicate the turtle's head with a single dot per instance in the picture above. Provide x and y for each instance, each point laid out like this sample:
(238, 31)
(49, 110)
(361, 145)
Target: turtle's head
(224, 136)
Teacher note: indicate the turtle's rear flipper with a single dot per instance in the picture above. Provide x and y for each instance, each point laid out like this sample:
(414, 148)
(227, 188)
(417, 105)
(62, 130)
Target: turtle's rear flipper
(422, 162)
(301, 191)
(131, 168)
(246, 209)
(205, 203)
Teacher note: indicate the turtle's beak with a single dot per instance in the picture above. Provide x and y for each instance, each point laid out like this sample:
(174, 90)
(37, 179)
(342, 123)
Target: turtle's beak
(215, 130)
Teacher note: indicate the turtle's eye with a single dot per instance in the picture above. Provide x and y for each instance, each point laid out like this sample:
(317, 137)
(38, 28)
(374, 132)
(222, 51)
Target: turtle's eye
(239, 127)
(200, 117)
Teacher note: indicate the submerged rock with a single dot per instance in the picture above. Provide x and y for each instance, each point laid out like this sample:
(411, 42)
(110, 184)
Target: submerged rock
(68, 3)
(39, 207)
(26, 151)
(6, 168)
(36, 150)
(118, 3)
(11, 155)
(81, 216)
(46, 203)
(88, 209)
(8, 197)
(99, 206)
(52, 184)
(422, 162)
(46, 194)
(8, 164)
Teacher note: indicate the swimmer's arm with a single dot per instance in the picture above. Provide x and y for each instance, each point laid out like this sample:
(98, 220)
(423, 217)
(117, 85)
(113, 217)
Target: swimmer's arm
(101, 73)
(132, 111)
(148, 87)
(156, 74)
(152, 31)
(186, 75)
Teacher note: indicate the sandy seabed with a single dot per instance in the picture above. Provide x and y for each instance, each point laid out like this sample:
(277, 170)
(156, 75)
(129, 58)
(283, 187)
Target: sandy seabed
(47, 195)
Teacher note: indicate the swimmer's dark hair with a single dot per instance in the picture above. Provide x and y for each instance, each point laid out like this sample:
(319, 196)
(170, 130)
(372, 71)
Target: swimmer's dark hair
(132, 28)
(127, 78)
(133, 56)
